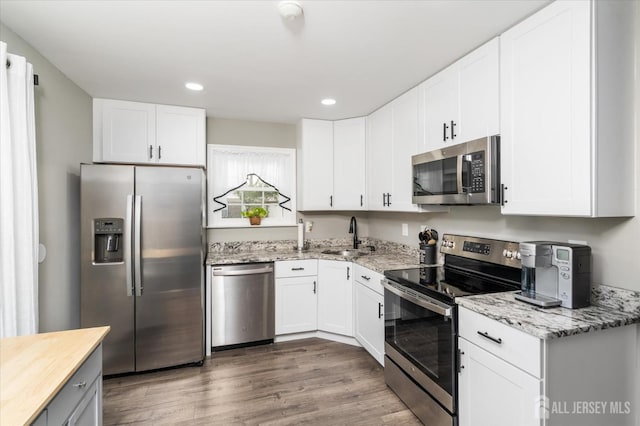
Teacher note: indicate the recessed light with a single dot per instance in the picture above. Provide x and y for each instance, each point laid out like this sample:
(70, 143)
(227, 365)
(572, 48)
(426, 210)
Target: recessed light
(328, 101)
(194, 86)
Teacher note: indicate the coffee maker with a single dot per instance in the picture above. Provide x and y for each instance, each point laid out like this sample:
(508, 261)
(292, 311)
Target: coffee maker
(555, 274)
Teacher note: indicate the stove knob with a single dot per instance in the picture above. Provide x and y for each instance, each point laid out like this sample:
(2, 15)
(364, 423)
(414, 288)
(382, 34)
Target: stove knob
(504, 253)
(518, 256)
(508, 254)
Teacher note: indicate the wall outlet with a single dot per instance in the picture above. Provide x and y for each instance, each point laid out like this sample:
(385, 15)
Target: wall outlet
(308, 226)
(405, 230)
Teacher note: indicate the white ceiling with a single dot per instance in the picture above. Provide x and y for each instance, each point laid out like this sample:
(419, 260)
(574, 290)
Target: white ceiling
(255, 65)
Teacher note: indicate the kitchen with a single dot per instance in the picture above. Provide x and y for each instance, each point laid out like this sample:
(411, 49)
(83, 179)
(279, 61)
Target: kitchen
(64, 136)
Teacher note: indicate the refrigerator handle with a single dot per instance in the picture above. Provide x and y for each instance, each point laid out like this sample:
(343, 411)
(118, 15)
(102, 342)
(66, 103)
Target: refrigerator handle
(137, 258)
(128, 259)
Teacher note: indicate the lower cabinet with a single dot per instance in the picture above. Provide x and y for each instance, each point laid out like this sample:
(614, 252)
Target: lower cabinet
(79, 402)
(335, 297)
(368, 303)
(296, 296)
(509, 377)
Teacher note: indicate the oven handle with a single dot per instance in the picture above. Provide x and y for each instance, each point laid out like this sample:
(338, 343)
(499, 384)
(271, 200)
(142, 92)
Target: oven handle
(423, 301)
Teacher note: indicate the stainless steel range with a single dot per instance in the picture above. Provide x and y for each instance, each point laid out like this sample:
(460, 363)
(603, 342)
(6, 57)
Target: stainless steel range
(421, 353)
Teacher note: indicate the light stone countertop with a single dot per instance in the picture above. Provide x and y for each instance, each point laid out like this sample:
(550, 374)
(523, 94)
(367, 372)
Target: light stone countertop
(34, 368)
(611, 307)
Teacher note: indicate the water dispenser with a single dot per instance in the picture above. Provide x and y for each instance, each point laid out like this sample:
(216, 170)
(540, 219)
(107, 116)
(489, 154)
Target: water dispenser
(108, 242)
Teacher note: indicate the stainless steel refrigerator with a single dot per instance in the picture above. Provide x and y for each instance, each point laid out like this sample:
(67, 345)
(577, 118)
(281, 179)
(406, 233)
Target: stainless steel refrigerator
(142, 263)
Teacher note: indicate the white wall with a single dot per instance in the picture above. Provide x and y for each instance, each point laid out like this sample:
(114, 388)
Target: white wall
(63, 141)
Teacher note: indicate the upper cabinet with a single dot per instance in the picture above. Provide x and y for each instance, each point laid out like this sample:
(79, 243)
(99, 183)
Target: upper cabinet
(461, 103)
(567, 111)
(331, 165)
(140, 133)
(393, 132)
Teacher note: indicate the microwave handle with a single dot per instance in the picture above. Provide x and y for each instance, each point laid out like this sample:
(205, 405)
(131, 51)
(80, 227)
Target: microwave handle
(464, 172)
(459, 167)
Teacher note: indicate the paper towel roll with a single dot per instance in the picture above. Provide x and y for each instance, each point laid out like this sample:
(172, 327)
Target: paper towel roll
(300, 235)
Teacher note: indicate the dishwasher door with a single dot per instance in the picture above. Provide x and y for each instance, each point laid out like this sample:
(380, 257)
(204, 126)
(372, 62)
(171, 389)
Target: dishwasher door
(242, 304)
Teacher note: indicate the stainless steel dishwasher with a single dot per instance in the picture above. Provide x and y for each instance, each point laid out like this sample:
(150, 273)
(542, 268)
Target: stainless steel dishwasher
(242, 305)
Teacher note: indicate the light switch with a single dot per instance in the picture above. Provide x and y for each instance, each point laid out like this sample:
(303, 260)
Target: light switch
(405, 230)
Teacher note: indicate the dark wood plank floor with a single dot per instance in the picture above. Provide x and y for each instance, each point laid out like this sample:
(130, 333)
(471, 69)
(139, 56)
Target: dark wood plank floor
(310, 381)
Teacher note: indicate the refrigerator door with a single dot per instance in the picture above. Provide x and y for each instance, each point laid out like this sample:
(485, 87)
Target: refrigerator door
(106, 296)
(169, 305)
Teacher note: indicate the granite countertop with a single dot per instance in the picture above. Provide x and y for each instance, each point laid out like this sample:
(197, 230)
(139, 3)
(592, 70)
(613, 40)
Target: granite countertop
(34, 368)
(386, 256)
(611, 307)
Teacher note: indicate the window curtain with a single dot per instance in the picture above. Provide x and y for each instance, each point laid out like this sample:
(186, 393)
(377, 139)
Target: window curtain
(231, 168)
(18, 198)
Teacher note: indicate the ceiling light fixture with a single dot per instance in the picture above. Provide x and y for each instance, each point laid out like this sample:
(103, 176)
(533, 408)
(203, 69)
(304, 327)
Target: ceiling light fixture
(328, 101)
(194, 86)
(290, 10)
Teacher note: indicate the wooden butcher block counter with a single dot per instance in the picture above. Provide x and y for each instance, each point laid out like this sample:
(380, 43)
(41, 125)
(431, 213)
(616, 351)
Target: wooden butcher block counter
(34, 370)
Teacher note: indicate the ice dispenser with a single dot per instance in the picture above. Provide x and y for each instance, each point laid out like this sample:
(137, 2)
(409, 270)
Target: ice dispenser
(107, 233)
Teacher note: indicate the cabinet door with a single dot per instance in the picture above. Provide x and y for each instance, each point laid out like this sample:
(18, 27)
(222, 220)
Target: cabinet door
(89, 410)
(125, 131)
(479, 96)
(405, 144)
(180, 135)
(335, 297)
(349, 162)
(296, 305)
(315, 165)
(369, 326)
(545, 112)
(440, 109)
(494, 392)
(379, 154)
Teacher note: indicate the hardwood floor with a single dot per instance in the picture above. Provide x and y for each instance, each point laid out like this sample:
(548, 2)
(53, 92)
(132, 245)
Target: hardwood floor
(310, 381)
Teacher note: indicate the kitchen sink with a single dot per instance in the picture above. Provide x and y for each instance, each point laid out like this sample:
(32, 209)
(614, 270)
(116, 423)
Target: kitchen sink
(343, 252)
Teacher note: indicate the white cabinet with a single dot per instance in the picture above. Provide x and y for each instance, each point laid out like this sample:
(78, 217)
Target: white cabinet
(141, 133)
(392, 138)
(79, 402)
(335, 297)
(567, 111)
(331, 164)
(368, 304)
(296, 296)
(508, 377)
(461, 103)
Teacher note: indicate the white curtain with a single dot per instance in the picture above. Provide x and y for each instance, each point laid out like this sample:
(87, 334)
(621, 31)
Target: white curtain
(18, 198)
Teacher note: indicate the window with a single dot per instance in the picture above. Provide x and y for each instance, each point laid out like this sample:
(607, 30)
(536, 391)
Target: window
(245, 177)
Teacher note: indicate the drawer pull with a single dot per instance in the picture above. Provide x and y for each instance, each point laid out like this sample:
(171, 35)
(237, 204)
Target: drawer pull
(486, 335)
(297, 269)
(80, 385)
(365, 277)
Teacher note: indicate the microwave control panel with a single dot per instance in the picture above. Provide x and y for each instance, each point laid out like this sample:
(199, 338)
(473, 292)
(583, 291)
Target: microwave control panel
(476, 170)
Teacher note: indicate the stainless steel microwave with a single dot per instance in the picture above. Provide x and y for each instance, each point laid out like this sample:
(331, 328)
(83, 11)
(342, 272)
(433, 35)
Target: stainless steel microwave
(466, 173)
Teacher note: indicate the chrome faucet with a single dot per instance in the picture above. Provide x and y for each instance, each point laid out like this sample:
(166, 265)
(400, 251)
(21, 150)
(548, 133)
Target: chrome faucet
(353, 229)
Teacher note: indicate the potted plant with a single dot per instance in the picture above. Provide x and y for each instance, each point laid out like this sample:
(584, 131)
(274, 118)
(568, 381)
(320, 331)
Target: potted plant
(255, 214)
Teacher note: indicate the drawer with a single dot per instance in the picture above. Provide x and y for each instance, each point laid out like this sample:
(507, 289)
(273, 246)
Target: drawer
(368, 278)
(514, 346)
(296, 268)
(62, 405)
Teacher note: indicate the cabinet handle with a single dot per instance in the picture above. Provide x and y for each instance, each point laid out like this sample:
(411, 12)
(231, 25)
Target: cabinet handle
(460, 366)
(384, 199)
(297, 269)
(388, 199)
(502, 200)
(314, 287)
(150, 152)
(348, 272)
(487, 336)
(361, 200)
(444, 132)
(365, 277)
(159, 152)
(330, 200)
(379, 310)
(453, 130)
(80, 385)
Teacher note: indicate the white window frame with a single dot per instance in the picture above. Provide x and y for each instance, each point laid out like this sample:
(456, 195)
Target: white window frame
(215, 219)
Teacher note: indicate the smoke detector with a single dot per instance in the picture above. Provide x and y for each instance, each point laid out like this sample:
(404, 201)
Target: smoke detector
(289, 9)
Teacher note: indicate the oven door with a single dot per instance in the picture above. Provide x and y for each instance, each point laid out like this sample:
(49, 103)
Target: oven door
(420, 338)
